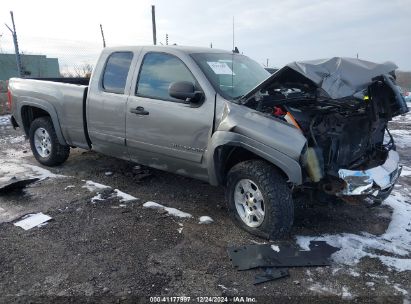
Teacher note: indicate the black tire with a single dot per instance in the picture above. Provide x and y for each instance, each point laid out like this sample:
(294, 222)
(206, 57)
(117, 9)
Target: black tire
(58, 153)
(278, 202)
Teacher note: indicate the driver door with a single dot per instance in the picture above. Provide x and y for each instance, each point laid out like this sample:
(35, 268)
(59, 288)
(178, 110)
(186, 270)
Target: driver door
(161, 131)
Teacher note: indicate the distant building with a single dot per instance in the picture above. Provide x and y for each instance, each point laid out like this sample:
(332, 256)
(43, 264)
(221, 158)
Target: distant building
(32, 66)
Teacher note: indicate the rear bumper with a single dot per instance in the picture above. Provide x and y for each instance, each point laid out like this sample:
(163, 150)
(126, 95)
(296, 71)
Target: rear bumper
(374, 180)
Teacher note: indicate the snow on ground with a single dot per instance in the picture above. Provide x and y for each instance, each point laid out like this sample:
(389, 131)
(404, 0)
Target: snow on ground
(12, 139)
(124, 197)
(93, 186)
(343, 292)
(406, 171)
(402, 118)
(13, 163)
(4, 120)
(42, 173)
(97, 198)
(393, 248)
(205, 220)
(402, 138)
(17, 168)
(398, 288)
(169, 210)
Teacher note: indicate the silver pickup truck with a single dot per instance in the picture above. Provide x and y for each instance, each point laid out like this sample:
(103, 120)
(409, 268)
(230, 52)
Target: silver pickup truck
(218, 116)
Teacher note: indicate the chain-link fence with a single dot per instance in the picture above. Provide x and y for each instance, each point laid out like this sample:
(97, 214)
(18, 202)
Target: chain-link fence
(4, 107)
(44, 57)
(49, 57)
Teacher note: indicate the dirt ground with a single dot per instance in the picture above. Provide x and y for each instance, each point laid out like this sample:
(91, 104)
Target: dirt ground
(113, 251)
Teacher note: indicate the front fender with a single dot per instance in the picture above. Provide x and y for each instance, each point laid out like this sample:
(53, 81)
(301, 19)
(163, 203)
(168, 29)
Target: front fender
(288, 165)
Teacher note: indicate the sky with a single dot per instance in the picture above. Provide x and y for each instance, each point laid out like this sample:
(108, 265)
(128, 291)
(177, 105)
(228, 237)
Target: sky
(281, 31)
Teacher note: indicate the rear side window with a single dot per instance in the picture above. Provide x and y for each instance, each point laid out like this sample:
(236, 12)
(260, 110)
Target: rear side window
(116, 71)
(156, 74)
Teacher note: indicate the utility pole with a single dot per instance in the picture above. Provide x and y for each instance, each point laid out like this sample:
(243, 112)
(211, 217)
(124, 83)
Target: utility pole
(166, 39)
(16, 45)
(102, 35)
(153, 19)
(267, 62)
(233, 33)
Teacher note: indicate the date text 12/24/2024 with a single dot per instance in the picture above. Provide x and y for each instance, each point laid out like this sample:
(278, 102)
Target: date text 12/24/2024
(183, 299)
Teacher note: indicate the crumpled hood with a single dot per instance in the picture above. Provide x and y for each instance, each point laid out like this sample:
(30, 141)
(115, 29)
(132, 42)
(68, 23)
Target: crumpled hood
(338, 77)
(341, 77)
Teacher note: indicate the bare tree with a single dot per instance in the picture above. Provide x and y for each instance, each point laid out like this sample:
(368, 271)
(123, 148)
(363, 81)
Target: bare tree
(83, 70)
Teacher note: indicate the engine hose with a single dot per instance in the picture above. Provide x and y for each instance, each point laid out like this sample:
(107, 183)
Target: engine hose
(311, 130)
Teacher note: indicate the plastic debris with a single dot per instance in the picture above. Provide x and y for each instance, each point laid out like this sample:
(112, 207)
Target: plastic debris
(32, 220)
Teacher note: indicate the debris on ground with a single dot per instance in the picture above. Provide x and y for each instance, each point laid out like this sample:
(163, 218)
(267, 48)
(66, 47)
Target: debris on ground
(32, 220)
(275, 248)
(108, 173)
(15, 183)
(205, 220)
(141, 172)
(392, 248)
(288, 255)
(275, 258)
(169, 210)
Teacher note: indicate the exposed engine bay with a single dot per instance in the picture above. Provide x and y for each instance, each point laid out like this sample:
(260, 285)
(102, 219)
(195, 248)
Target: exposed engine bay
(345, 122)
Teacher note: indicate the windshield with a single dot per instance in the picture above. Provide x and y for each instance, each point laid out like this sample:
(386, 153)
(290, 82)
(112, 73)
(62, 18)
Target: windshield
(232, 75)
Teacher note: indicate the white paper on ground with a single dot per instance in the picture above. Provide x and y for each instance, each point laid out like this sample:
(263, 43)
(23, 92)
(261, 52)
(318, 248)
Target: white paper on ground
(33, 220)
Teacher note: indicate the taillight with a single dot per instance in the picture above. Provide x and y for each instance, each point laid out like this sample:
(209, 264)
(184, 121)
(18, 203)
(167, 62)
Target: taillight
(9, 99)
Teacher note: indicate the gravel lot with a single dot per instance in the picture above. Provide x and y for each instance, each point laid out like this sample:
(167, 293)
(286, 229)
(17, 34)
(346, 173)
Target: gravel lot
(114, 250)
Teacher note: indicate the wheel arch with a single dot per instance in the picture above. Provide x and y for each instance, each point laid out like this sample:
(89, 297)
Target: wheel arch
(229, 149)
(29, 112)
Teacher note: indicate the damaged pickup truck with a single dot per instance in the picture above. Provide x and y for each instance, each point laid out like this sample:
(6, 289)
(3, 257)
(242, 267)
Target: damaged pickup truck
(220, 117)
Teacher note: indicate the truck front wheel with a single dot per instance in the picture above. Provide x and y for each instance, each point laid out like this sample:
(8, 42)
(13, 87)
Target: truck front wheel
(44, 143)
(259, 199)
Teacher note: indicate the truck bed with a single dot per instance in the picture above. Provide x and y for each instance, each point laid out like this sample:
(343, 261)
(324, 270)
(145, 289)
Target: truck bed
(66, 100)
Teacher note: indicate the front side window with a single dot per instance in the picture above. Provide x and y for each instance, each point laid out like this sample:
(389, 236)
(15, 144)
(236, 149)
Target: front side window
(158, 71)
(116, 71)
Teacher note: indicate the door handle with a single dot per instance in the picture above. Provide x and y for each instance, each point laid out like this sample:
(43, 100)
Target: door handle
(139, 111)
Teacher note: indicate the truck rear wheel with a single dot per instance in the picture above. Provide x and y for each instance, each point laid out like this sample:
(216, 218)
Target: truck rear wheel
(259, 199)
(44, 143)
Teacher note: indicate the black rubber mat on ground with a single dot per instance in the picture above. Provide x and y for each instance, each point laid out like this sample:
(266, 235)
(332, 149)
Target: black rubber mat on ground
(288, 255)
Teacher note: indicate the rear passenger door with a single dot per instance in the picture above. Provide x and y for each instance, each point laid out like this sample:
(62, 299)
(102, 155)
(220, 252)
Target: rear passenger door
(161, 131)
(106, 105)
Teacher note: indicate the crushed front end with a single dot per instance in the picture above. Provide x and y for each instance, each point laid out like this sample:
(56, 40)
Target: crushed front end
(374, 181)
(342, 106)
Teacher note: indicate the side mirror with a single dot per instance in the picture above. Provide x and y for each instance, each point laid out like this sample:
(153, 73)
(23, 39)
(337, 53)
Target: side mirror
(184, 90)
